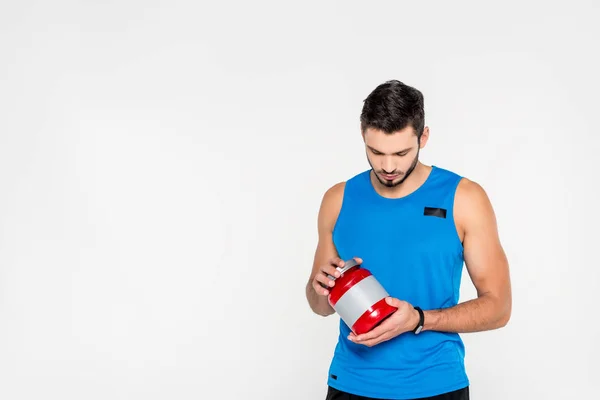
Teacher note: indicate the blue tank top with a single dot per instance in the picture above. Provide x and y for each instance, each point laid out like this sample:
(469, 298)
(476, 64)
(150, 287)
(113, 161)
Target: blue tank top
(417, 257)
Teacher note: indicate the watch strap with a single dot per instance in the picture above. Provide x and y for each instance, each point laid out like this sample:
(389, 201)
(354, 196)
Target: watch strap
(419, 326)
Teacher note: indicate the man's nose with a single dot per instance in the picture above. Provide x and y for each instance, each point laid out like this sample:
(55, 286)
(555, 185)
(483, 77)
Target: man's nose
(387, 164)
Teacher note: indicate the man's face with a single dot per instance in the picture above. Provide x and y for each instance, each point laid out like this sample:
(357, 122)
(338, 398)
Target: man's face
(393, 157)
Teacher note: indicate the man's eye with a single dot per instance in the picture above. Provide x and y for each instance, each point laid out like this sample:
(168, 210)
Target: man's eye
(402, 154)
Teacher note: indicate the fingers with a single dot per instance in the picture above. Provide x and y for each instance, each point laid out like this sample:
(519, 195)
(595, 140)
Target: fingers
(324, 280)
(340, 263)
(380, 339)
(337, 262)
(371, 339)
(374, 333)
(332, 268)
(380, 333)
(393, 302)
(319, 284)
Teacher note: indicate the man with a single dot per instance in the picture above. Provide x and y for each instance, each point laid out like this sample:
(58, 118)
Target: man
(413, 226)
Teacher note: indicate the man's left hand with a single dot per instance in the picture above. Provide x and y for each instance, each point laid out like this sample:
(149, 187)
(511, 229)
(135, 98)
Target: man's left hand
(404, 319)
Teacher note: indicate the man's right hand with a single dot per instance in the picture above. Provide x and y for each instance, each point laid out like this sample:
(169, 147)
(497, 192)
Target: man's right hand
(322, 282)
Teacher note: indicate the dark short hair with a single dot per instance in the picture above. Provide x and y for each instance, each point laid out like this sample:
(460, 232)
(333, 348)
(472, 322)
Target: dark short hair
(392, 106)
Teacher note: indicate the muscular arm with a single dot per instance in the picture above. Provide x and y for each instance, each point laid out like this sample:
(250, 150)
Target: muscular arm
(486, 264)
(328, 213)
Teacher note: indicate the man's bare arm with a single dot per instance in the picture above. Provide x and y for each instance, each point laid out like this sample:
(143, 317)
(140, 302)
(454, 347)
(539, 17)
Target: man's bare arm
(486, 264)
(325, 251)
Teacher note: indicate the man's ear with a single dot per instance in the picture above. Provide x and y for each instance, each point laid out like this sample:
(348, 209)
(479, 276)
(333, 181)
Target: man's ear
(424, 137)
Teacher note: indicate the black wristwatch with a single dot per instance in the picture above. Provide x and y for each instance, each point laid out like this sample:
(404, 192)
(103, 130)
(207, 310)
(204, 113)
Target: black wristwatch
(419, 326)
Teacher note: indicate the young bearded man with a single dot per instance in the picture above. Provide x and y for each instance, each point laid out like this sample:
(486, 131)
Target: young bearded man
(413, 226)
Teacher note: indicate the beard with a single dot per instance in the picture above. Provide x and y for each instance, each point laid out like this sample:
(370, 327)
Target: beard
(400, 179)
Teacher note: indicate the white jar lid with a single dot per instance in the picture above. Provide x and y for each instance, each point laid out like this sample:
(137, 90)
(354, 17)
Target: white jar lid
(349, 264)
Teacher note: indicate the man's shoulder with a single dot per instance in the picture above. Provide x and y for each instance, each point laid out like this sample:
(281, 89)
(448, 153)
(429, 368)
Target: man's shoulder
(331, 205)
(334, 195)
(337, 190)
(469, 190)
(447, 173)
(464, 185)
(471, 202)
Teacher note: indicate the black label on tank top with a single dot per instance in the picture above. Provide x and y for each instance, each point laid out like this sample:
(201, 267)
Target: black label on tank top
(435, 212)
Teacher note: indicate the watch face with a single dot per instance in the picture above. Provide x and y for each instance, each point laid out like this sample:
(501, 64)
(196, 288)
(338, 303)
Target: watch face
(419, 329)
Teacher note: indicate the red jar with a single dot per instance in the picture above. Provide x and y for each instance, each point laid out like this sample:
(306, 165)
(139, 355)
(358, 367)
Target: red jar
(359, 299)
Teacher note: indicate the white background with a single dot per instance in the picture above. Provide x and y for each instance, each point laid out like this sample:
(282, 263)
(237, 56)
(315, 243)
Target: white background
(162, 164)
